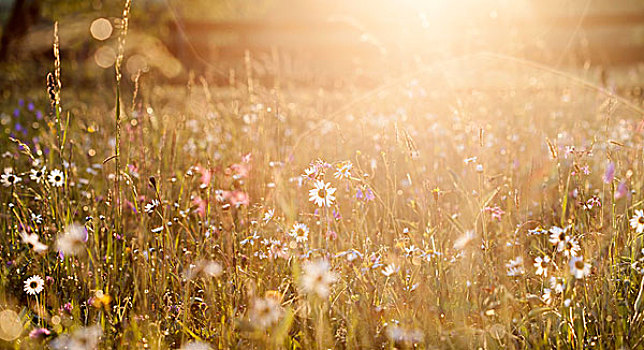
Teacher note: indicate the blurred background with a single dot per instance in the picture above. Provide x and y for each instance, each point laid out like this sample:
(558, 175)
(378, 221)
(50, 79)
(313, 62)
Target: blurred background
(321, 41)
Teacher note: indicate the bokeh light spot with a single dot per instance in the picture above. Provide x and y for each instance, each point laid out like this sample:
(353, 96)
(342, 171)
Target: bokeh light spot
(10, 325)
(101, 29)
(105, 56)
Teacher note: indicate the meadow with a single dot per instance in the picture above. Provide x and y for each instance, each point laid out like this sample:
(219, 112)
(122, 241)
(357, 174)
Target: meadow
(478, 202)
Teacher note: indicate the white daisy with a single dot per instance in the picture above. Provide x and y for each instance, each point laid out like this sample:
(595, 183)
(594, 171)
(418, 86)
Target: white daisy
(558, 236)
(541, 263)
(300, 232)
(557, 284)
(637, 221)
(265, 312)
(268, 215)
(390, 270)
(33, 242)
(322, 194)
(34, 285)
(72, 241)
(151, 207)
(56, 178)
(410, 251)
(343, 170)
(37, 218)
(515, 267)
(317, 278)
(578, 267)
(9, 178)
(38, 175)
(310, 172)
(571, 247)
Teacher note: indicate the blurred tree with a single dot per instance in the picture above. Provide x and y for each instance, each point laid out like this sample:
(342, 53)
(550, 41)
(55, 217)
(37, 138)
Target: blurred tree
(24, 14)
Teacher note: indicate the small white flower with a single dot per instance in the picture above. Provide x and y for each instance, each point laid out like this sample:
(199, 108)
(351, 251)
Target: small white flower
(410, 251)
(541, 263)
(268, 216)
(38, 175)
(578, 267)
(300, 232)
(343, 170)
(9, 178)
(310, 172)
(72, 241)
(317, 278)
(152, 206)
(515, 267)
(322, 194)
(265, 312)
(571, 247)
(34, 285)
(390, 270)
(56, 178)
(36, 218)
(33, 242)
(557, 285)
(637, 221)
(558, 236)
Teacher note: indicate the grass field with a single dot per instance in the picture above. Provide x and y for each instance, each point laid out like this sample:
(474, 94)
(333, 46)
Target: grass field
(477, 202)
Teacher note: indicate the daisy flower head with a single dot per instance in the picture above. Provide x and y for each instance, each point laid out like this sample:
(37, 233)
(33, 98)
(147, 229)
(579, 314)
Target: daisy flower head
(268, 216)
(56, 178)
(317, 278)
(32, 240)
(9, 178)
(38, 175)
(34, 285)
(557, 284)
(637, 221)
(311, 172)
(72, 241)
(578, 267)
(390, 270)
(300, 232)
(515, 267)
(571, 247)
(541, 263)
(151, 207)
(558, 236)
(322, 194)
(343, 170)
(265, 312)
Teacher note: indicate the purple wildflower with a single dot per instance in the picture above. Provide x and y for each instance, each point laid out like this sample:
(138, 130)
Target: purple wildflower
(609, 175)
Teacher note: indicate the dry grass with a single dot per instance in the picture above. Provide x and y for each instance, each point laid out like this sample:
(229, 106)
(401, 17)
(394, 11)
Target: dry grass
(450, 182)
